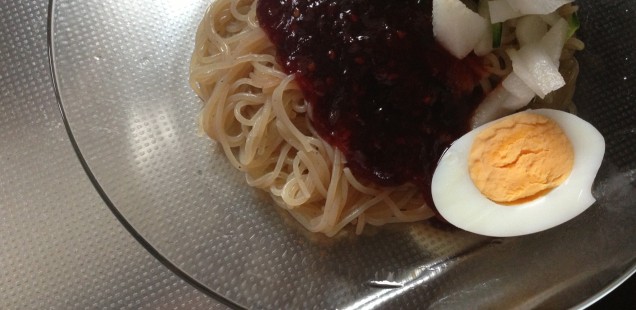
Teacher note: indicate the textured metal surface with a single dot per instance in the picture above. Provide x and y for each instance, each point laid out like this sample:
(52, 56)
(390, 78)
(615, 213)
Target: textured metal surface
(122, 70)
(60, 247)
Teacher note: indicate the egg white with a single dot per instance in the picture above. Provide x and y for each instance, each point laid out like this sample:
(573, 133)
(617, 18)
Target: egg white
(463, 205)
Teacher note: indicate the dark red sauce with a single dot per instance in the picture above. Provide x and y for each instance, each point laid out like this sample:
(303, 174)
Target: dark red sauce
(380, 88)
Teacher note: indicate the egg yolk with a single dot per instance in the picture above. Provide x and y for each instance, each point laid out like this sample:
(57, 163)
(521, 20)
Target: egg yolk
(520, 158)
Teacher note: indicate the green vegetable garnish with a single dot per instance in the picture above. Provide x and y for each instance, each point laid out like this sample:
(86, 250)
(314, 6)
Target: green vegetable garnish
(497, 30)
(573, 24)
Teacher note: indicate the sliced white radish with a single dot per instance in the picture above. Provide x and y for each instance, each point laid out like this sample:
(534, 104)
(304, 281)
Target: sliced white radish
(514, 103)
(527, 7)
(497, 104)
(491, 107)
(484, 46)
(554, 40)
(551, 18)
(513, 84)
(536, 68)
(530, 28)
(500, 10)
(456, 27)
(537, 62)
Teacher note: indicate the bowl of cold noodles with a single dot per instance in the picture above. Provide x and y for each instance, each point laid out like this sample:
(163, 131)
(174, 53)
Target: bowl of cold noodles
(363, 153)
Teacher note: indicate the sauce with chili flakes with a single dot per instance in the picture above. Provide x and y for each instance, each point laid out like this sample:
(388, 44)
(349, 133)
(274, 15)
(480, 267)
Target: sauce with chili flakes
(380, 88)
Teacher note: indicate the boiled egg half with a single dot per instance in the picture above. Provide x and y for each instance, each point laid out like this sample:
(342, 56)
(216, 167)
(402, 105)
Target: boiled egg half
(520, 174)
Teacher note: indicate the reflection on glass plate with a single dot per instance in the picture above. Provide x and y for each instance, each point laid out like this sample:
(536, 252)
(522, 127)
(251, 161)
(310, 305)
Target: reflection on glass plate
(122, 71)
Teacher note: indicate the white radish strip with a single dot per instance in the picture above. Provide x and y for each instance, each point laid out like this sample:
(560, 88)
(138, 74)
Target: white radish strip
(530, 29)
(500, 11)
(456, 27)
(535, 67)
(513, 84)
(527, 7)
(554, 40)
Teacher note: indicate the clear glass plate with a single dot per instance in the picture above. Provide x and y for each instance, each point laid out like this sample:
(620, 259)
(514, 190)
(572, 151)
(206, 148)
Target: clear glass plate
(121, 69)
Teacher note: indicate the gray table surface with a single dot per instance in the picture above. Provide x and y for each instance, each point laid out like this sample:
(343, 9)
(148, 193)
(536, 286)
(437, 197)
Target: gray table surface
(61, 247)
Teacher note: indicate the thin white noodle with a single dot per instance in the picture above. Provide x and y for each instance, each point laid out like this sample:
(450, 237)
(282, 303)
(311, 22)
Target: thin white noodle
(282, 115)
(360, 224)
